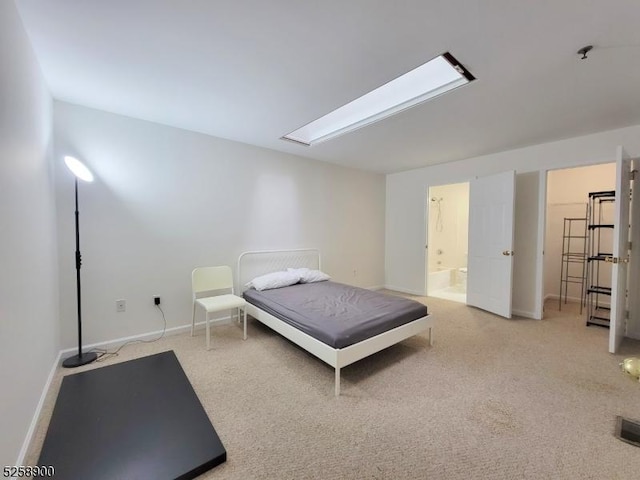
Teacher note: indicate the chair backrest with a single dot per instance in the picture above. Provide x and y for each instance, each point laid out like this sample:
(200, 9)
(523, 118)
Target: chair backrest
(205, 279)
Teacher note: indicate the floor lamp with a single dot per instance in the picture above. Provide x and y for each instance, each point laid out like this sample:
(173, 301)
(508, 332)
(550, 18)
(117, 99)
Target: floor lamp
(81, 172)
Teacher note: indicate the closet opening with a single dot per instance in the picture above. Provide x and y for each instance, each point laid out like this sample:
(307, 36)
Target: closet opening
(447, 241)
(578, 236)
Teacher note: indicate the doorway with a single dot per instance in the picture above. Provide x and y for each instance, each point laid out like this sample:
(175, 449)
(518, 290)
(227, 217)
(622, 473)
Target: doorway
(448, 241)
(576, 199)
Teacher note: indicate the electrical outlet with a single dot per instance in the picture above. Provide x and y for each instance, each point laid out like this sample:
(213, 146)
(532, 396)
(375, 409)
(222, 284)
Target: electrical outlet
(156, 299)
(121, 305)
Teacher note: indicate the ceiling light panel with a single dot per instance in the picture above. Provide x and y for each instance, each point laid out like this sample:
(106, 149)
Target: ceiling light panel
(437, 76)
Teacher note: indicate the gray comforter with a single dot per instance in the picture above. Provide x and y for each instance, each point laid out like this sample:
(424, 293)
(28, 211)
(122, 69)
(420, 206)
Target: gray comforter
(336, 314)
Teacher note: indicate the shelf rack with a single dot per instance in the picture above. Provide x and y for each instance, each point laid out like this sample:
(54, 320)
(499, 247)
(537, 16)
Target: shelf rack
(598, 290)
(573, 260)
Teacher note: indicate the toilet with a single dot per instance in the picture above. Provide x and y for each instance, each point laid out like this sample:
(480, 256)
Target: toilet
(462, 277)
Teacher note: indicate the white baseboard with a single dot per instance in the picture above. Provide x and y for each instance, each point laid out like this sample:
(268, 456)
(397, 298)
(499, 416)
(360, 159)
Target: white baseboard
(552, 296)
(36, 415)
(524, 313)
(635, 334)
(377, 287)
(145, 336)
(404, 290)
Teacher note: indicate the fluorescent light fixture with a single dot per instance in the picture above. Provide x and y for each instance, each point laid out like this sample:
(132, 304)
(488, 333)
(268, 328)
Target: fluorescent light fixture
(437, 76)
(79, 169)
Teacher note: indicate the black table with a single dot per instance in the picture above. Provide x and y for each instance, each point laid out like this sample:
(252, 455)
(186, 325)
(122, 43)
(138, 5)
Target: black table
(139, 419)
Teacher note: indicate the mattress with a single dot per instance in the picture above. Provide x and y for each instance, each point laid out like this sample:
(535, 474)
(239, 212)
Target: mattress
(336, 314)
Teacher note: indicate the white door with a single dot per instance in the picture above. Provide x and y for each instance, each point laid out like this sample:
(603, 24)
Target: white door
(619, 269)
(490, 262)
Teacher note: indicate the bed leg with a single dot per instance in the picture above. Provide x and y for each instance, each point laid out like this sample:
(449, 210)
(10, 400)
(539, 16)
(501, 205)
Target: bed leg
(337, 381)
(431, 336)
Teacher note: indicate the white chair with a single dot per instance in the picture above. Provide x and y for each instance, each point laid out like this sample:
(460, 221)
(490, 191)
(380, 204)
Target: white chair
(210, 279)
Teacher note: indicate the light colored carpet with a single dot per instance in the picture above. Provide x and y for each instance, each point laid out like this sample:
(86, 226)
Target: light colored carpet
(492, 399)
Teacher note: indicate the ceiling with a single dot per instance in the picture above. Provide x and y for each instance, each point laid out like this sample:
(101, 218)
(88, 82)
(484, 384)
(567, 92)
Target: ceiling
(254, 70)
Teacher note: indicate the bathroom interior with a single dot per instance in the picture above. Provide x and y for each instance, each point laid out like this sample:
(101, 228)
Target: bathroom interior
(448, 240)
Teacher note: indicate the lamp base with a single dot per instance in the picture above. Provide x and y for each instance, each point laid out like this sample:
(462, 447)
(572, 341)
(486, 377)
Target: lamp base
(79, 360)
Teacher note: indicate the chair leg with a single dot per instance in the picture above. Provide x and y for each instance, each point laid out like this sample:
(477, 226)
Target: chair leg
(208, 337)
(245, 323)
(193, 317)
(431, 336)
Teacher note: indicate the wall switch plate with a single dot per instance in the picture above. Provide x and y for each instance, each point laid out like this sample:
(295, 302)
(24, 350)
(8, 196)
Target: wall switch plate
(121, 305)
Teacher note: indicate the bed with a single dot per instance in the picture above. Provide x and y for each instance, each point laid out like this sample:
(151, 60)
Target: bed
(299, 312)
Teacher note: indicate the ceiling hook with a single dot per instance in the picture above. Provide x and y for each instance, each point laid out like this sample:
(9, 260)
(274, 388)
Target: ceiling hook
(584, 50)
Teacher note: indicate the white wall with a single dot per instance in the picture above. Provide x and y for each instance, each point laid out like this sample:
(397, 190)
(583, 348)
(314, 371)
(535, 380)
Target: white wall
(525, 245)
(568, 196)
(406, 192)
(29, 337)
(167, 200)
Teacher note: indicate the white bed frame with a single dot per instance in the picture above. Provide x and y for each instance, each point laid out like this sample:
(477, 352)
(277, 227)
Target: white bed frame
(253, 264)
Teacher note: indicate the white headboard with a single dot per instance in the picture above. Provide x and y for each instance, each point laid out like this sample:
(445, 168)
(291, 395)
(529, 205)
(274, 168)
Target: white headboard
(254, 264)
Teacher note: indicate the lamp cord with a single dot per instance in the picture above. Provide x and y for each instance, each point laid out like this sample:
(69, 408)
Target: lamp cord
(105, 354)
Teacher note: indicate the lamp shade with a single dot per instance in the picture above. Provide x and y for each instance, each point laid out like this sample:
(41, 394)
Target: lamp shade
(78, 168)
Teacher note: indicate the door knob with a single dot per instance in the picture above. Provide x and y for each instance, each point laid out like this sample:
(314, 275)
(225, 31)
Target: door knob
(507, 253)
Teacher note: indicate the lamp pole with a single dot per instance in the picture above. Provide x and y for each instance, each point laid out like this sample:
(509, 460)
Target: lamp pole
(80, 358)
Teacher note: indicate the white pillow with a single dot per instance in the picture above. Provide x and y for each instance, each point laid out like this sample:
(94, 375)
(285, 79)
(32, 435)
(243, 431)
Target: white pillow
(309, 276)
(274, 280)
